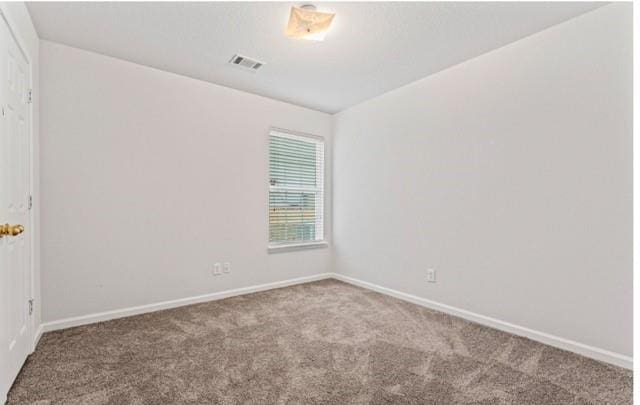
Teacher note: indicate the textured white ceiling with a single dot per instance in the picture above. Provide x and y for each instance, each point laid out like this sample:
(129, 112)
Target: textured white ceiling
(372, 47)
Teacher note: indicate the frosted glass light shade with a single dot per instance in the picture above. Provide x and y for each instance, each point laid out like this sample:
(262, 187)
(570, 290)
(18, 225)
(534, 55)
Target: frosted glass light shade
(308, 24)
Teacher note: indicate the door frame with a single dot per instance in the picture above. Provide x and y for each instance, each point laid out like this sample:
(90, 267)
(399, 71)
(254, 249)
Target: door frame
(32, 327)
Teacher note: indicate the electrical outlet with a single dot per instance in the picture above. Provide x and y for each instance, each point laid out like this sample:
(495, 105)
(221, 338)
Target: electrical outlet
(217, 269)
(431, 275)
(226, 268)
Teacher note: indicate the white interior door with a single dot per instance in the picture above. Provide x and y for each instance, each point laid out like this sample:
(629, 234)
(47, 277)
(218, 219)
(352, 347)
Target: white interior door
(15, 246)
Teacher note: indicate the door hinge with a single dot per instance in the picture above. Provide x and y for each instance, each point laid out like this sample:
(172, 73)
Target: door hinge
(29, 96)
(30, 201)
(31, 306)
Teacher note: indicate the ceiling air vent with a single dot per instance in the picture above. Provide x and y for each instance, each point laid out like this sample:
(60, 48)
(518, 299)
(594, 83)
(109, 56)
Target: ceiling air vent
(246, 63)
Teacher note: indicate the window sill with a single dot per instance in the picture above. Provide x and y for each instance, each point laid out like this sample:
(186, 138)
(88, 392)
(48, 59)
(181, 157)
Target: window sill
(288, 247)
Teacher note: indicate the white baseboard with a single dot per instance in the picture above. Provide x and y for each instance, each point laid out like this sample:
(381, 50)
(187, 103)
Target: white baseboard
(555, 341)
(37, 336)
(124, 312)
(551, 340)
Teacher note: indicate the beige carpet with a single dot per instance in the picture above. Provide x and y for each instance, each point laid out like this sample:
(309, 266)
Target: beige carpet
(319, 343)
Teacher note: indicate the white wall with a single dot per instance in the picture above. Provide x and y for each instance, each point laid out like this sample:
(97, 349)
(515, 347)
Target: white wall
(511, 175)
(148, 178)
(19, 20)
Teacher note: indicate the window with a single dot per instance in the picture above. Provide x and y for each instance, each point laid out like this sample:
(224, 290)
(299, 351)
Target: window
(296, 189)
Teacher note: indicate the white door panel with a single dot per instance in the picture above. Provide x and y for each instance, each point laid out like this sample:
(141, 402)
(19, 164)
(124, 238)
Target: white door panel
(15, 250)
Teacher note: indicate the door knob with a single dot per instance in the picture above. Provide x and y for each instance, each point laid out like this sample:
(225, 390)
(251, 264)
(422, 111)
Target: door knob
(11, 230)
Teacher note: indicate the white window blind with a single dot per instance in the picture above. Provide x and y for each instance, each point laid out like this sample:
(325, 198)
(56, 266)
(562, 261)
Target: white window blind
(296, 189)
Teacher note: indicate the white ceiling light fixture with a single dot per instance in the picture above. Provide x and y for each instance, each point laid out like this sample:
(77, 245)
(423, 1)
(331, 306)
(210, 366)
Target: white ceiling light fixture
(307, 23)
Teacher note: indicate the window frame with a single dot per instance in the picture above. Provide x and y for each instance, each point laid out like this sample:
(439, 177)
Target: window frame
(285, 246)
